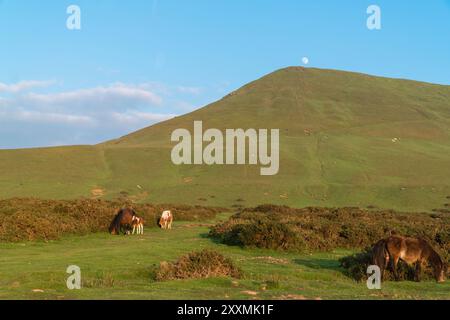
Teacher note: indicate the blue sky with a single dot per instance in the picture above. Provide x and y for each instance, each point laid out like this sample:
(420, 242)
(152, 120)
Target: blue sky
(136, 62)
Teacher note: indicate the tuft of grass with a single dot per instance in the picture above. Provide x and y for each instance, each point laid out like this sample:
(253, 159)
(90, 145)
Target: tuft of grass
(102, 280)
(197, 265)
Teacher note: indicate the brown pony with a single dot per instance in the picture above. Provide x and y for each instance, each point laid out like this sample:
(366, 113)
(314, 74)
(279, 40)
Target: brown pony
(122, 221)
(410, 250)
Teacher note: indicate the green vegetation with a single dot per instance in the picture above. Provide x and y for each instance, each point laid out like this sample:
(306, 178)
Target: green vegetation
(347, 139)
(325, 229)
(33, 219)
(122, 268)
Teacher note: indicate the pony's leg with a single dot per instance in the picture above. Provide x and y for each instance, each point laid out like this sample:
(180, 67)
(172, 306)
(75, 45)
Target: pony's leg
(134, 230)
(394, 268)
(418, 274)
(142, 229)
(384, 267)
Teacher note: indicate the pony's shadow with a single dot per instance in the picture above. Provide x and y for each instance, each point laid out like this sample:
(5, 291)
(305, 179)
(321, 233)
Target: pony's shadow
(206, 236)
(317, 264)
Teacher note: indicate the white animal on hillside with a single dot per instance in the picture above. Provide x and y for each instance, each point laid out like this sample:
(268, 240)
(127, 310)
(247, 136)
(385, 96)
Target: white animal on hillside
(166, 220)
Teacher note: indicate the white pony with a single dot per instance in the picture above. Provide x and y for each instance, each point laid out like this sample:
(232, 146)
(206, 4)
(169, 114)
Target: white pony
(165, 222)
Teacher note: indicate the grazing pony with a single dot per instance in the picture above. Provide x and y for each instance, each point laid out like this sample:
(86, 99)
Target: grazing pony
(122, 221)
(410, 250)
(166, 220)
(138, 225)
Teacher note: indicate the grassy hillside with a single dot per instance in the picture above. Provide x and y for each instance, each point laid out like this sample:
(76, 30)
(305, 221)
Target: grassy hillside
(346, 140)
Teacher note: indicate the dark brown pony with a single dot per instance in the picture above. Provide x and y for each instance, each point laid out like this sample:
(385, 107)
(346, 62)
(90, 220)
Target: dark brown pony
(410, 250)
(122, 221)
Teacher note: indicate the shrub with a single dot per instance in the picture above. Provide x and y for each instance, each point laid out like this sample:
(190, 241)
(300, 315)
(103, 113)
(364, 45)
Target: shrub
(262, 234)
(195, 265)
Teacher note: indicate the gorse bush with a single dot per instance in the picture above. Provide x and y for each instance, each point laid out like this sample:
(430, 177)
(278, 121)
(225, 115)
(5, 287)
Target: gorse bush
(263, 234)
(324, 229)
(32, 219)
(195, 265)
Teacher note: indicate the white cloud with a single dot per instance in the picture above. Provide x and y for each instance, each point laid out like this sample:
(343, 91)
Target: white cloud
(90, 115)
(49, 117)
(24, 85)
(100, 106)
(136, 117)
(117, 96)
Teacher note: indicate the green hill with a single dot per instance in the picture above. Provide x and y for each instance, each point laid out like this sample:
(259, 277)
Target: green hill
(346, 139)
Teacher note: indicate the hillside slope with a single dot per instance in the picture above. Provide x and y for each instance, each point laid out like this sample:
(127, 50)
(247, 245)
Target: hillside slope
(347, 139)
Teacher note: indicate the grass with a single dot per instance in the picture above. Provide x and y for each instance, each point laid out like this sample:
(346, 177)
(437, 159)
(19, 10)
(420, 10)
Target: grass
(120, 268)
(337, 149)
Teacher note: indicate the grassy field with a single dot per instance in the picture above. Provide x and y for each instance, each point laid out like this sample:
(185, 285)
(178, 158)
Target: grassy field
(347, 139)
(120, 268)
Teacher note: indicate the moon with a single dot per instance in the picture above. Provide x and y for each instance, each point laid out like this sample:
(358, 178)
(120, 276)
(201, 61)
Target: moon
(305, 60)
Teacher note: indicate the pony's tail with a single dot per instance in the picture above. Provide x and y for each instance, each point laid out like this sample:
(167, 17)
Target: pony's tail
(112, 226)
(379, 254)
(115, 224)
